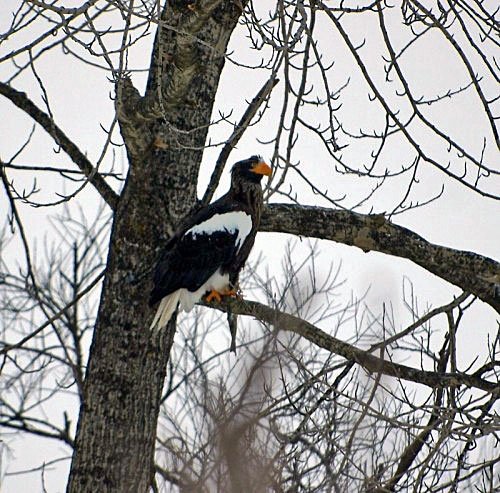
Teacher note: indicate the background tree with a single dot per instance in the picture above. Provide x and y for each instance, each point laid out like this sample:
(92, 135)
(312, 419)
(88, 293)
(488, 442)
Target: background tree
(366, 112)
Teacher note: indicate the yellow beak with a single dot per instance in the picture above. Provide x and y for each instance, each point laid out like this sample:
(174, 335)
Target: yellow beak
(262, 168)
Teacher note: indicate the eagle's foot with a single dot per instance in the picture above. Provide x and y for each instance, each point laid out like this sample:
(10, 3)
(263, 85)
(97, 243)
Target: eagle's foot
(217, 295)
(213, 295)
(231, 292)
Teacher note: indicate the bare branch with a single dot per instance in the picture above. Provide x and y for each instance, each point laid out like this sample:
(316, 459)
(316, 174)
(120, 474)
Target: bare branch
(22, 101)
(371, 363)
(240, 128)
(470, 271)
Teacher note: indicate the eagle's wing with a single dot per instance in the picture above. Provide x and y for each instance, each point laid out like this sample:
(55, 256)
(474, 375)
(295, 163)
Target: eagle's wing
(191, 258)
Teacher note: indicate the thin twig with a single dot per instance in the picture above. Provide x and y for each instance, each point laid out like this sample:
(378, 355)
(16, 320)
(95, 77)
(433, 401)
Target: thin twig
(243, 124)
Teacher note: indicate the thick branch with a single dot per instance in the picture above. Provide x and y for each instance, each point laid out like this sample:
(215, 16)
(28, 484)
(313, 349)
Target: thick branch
(470, 271)
(21, 100)
(368, 361)
(174, 65)
(115, 440)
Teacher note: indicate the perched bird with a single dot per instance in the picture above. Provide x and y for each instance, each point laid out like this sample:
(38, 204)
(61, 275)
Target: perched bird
(208, 251)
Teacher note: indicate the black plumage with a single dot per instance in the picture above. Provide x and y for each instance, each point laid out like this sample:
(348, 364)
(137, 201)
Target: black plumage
(208, 251)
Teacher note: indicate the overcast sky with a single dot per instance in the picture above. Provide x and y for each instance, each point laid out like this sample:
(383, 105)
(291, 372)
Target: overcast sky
(80, 100)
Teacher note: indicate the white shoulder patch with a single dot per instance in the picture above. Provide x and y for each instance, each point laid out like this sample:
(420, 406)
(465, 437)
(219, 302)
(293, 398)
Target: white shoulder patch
(228, 221)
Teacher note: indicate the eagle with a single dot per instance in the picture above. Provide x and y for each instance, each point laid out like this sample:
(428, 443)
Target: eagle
(207, 252)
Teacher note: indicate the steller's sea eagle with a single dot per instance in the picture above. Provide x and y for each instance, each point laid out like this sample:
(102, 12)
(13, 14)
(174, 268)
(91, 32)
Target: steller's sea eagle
(208, 251)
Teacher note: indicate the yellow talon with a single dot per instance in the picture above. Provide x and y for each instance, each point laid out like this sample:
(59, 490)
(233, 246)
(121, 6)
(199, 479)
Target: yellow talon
(213, 295)
(217, 295)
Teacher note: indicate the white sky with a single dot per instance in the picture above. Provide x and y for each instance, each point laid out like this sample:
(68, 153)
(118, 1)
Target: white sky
(80, 101)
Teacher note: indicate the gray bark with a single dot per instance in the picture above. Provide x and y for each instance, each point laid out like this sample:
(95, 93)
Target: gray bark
(164, 133)
(470, 271)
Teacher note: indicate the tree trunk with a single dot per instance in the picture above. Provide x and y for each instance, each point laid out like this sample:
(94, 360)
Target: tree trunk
(164, 133)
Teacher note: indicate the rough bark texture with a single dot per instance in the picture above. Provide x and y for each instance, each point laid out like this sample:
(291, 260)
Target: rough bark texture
(472, 272)
(164, 133)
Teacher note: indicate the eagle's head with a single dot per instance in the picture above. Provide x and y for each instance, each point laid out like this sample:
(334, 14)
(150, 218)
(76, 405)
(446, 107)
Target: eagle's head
(250, 170)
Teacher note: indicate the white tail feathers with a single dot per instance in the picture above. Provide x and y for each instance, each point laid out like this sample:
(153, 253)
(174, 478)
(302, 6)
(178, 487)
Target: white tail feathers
(165, 310)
